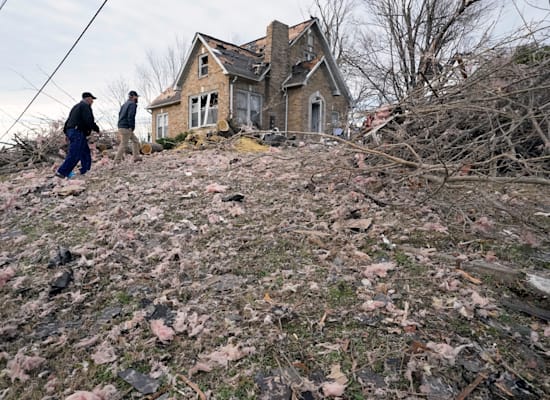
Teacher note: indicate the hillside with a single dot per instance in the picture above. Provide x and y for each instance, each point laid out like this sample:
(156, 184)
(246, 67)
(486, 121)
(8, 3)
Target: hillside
(301, 272)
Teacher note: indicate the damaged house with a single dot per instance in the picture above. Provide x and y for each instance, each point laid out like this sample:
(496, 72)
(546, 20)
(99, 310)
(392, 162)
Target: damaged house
(287, 80)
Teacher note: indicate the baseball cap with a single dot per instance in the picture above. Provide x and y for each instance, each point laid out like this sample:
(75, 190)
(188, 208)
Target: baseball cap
(133, 93)
(88, 94)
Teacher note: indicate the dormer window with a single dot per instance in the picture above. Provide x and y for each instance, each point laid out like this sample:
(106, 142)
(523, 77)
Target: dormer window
(203, 65)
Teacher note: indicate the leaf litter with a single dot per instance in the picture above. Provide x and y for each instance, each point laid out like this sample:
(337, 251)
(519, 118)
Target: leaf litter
(223, 275)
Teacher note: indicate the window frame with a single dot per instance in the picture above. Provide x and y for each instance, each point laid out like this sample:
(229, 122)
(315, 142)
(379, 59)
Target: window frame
(203, 115)
(163, 126)
(203, 66)
(249, 95)
(309, 53)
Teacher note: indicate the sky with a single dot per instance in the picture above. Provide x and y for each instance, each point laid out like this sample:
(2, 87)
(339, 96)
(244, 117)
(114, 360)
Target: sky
(35, 35)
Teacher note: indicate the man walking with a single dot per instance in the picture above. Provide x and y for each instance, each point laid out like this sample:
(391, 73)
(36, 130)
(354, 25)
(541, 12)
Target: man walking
(126, 126)
(77, 128)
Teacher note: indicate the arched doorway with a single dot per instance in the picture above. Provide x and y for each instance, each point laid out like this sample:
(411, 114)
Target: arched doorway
(316, 112)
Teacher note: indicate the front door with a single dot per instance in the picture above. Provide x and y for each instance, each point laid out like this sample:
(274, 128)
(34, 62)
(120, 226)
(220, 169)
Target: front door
(316, 117)
(316, 105)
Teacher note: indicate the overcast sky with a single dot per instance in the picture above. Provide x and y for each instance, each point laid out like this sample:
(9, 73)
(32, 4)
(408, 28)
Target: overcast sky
(36, 34)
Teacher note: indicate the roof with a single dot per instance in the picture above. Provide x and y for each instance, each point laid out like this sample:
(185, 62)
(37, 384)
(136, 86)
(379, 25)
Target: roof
(300, 72)
(294, 32)
(168, 97)
(236, 60)
(247, 60)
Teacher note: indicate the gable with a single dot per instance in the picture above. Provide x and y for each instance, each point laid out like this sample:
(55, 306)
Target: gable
(302, 73)
(232, 59)
(297, 36)
(330, 62)
(198, 48)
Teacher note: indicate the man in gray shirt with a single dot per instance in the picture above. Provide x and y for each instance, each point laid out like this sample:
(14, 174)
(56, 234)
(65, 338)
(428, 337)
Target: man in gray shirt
(126, 126)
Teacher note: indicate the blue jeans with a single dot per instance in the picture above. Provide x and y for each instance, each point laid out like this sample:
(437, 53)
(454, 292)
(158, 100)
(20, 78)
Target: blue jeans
(78, 151)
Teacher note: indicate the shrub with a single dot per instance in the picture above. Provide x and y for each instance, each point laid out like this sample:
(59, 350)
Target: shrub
(170, 143)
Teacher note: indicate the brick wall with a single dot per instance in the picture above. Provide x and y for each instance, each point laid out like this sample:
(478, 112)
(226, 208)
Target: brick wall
(215, 81)
(299, 103)
(277, 54)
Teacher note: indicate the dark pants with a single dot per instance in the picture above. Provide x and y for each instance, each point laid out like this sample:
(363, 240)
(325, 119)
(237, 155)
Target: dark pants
(78, 151)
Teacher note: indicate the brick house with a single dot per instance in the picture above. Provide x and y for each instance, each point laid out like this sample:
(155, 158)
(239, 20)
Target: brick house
(287, 80)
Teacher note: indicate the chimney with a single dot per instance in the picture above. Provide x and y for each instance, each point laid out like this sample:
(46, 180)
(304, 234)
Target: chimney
(276, 41)
(276, 53)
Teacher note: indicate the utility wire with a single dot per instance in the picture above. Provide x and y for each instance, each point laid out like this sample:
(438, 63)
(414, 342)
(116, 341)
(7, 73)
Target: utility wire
(35, 88)
(56, 68)
(57, 86)
(2, 5)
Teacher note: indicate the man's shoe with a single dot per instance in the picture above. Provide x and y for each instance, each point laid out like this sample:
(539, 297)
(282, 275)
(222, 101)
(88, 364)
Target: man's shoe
(58, 175)
(71, 175)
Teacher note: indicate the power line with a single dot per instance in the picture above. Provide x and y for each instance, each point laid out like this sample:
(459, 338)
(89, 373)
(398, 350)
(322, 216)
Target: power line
(56, 68)
(2, 5)
(35, 88)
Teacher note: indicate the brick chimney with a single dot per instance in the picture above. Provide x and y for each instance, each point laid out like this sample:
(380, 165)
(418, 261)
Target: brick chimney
(276, 53)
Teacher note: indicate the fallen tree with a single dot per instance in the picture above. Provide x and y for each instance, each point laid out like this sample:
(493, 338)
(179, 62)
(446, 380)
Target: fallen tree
(493, 124)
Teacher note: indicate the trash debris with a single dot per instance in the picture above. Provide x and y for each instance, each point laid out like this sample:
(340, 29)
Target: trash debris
(61, 282)
(233, 197)
(63, 256)
(141, 382)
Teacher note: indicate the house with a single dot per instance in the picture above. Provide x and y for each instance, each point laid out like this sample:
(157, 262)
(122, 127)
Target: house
(287, 80)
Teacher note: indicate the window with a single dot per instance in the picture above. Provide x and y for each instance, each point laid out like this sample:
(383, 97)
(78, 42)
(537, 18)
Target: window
(203, 65)
(162, 125)
(203, 110)
(309, 54)
(248, 108)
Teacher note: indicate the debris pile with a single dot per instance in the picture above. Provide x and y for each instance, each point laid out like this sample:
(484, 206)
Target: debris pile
(491, 123)
(299, 272)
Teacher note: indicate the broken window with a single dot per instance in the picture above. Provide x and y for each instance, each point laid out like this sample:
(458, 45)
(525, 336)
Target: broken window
(203, 65)
(203, 110)
(248, 108)
(162, 125)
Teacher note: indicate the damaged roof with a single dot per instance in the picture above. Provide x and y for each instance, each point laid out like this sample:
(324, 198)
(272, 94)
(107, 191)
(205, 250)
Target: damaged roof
(302, 71)
(247, 60)
(294, 32)
(166, 98)
(236, 60)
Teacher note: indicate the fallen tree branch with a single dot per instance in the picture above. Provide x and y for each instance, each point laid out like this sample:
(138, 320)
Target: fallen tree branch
(471, 387)
(481, 179)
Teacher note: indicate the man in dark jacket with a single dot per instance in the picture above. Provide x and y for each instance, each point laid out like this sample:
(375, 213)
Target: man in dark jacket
(78, 127)
(126, 126)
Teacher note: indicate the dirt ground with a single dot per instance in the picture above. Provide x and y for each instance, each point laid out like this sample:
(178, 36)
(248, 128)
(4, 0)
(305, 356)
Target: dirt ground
(296, 273)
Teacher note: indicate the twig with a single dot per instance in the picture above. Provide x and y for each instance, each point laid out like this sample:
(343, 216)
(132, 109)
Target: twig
(471, 387)
(193, 386)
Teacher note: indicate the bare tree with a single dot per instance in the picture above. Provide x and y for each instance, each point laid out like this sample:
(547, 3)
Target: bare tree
(160, 69)
(336, 21)
(158, 72)
(407, 42)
